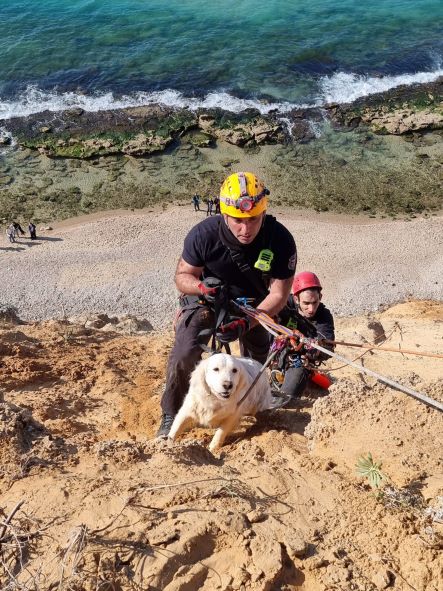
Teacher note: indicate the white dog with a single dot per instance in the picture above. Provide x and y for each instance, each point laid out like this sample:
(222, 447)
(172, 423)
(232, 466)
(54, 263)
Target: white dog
(217, 386)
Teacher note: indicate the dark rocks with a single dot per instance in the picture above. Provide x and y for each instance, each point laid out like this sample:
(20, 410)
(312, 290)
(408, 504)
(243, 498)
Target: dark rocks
(147, 130)
(81, 134)
(242, 129)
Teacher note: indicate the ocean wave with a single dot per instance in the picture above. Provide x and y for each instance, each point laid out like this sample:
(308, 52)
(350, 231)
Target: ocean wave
(341, 87)
(346, 88)
(34, 100)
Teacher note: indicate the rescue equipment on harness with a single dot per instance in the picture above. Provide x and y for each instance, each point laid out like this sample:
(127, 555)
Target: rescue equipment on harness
(277, 329)
(243, 195)
(258, 278)
(321, 379)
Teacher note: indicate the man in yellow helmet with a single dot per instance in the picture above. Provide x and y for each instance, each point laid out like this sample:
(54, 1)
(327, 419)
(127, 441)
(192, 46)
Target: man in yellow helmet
(241, 253)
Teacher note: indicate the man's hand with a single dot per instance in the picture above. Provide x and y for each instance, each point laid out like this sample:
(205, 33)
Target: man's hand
(210, 288)
(311, 353)
(233, 330)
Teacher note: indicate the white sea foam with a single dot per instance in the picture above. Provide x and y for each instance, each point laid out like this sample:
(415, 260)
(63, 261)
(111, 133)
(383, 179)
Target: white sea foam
(34, 100)
(345, 88)
(339, 88)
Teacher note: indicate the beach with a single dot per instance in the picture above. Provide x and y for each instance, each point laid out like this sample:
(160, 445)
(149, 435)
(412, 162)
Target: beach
(124, 263)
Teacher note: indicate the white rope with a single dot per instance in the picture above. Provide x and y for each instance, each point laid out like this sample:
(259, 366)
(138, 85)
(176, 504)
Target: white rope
(261, 317)
(422, 397)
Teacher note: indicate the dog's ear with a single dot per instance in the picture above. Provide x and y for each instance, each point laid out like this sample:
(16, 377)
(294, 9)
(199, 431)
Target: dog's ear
(198, 377)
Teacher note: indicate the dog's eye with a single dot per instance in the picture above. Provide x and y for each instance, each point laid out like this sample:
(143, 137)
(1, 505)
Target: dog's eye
(216, 369)
(235, 370)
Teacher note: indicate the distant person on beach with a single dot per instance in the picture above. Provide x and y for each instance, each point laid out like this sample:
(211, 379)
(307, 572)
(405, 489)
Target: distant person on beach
(10, 233)
(32, 231)
(196, 202)
(222, 259)
(217, 205)
(18, 229)
(305, 312)
(210, 205)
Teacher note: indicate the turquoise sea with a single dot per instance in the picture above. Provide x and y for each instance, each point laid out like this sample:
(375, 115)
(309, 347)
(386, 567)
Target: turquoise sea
(232, 53)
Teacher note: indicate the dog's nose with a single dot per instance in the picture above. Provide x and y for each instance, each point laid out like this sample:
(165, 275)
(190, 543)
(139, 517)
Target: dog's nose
(227, 385)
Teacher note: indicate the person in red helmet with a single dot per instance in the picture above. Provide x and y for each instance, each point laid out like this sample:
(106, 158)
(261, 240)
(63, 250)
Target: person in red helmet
(305, 312)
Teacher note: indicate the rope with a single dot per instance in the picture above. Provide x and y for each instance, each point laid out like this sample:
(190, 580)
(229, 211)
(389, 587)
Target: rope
(372, 345)
(378, 348)
(257, 377)
(345, 364)
(266, 321)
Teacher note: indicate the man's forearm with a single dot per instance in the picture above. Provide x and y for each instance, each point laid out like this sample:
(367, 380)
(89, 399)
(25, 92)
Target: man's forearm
(187, 283)
(277, 298)
(272, 304)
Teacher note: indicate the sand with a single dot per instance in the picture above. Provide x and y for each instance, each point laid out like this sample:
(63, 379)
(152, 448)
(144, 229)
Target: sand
(95, 502)
(281, 508)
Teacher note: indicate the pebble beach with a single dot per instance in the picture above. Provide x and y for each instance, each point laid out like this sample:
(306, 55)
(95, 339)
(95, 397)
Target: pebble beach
(123, 262)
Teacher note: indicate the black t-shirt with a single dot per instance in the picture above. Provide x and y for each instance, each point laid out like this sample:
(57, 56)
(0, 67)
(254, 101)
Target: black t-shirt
(204, 248)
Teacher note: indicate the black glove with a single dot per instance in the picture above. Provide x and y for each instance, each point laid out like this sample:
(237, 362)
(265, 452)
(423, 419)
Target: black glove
(233, 330)
(210, 288)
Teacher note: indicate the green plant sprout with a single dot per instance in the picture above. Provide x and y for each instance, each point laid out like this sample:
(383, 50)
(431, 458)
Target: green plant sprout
(368, 468)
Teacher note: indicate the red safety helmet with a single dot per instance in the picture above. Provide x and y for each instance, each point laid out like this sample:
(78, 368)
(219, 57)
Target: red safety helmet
(305, 280)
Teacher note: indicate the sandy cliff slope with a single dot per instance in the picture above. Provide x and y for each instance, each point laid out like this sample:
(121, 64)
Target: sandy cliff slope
(104, 506)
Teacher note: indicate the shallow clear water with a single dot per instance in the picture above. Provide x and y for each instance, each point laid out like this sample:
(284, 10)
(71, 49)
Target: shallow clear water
(101, 53)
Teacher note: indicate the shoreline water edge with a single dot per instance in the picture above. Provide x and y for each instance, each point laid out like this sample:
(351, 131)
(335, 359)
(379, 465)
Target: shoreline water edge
(380, 155)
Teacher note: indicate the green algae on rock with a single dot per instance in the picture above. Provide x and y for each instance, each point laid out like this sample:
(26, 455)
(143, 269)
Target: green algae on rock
(79, 162)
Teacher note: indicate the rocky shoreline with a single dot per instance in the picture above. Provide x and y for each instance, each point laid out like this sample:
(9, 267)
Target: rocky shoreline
(141, 131)
(381, 155)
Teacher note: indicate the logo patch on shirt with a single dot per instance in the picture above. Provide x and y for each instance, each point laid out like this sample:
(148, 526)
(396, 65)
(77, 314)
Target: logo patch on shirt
(292, 262)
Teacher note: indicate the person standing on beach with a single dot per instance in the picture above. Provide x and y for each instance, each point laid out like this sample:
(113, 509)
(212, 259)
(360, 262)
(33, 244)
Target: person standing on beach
(196, 202)
(32, 231)
(10, 233)
(217, 205)
(17, 229)
(210, 204)
(223, 259)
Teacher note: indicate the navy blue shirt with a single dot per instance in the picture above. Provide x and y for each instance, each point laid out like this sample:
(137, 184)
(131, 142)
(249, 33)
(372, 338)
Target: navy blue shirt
(204, 248)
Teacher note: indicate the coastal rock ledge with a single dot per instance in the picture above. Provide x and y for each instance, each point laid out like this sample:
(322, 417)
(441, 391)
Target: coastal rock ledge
(141, 131)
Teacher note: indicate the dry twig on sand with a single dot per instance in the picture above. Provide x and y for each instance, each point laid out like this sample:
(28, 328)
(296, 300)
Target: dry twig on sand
(16, 536)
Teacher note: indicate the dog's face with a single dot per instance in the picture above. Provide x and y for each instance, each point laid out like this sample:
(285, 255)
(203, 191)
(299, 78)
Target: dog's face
(222, 375)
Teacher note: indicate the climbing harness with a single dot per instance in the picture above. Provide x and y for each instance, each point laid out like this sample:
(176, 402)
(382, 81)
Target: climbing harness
(277, 329)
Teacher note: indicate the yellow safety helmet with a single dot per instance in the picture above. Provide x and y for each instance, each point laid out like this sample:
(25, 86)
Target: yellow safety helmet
(243, 195)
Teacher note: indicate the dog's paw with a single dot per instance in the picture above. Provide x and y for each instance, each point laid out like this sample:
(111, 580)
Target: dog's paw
(214, 448)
